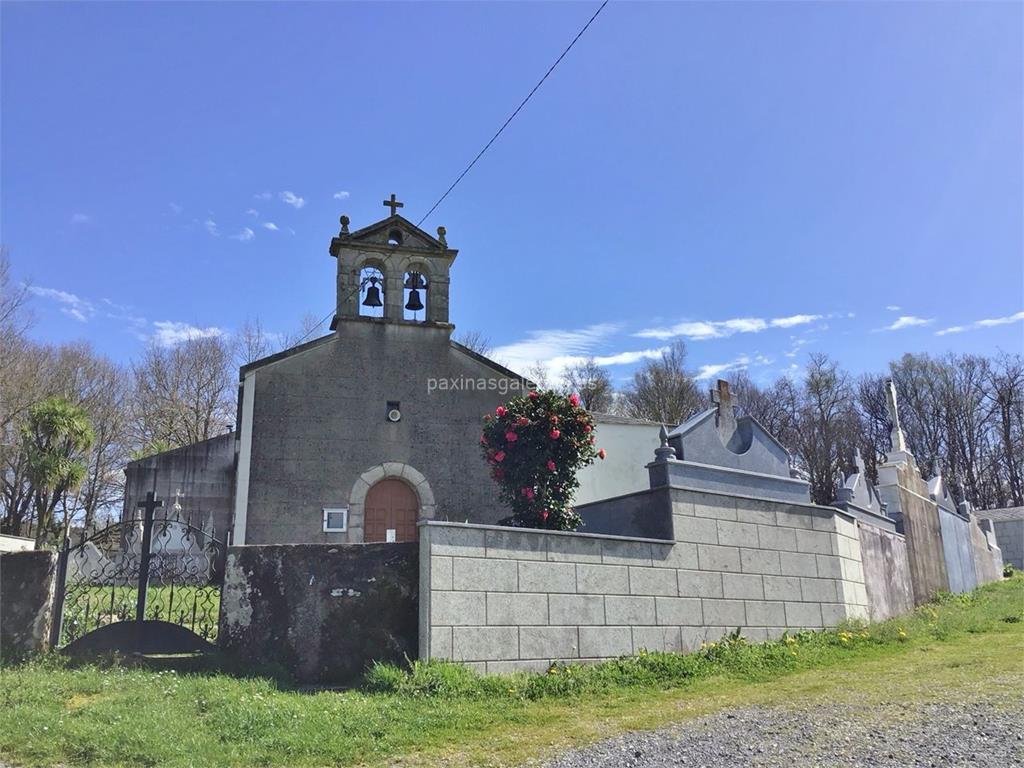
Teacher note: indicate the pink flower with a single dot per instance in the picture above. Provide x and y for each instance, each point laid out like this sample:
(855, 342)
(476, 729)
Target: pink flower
(601, 454)
(487, 417)
(574, 400)
(532, 394)
(511, 437)
(551, 465)
(555, 434)
(528, 493)
(523, 421)
(587, 428)
(501, 410)
(553, 419)
(593, 439)
(544, 515)
(499, 473)
(483, 439)
(499, 456)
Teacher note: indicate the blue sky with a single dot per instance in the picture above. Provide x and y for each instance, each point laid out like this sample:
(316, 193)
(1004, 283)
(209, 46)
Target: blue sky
(762, 180)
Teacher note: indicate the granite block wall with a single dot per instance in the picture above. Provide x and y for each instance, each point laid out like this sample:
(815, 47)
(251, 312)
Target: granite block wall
(502, 599)
(958, 550)
(886, 572)
(323, 612)
(1010, 536)
(27, 581)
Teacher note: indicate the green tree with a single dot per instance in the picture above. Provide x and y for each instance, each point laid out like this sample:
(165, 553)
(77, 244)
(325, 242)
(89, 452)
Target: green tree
(57, 438)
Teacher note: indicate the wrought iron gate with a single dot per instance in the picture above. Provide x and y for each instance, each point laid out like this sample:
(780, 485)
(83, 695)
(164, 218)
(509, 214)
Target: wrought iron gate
(145, 585)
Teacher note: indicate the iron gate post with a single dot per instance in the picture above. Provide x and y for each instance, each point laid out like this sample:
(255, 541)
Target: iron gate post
(149, 505)
(57, 622)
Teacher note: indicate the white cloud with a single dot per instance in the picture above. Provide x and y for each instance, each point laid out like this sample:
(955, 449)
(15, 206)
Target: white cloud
(270, 225)
(291, 199)
(789, 322)
(71, 305)
(252, 212)
(245, 235)
(718, 329)
(893, 307)
(262, 196)
(907, 321)
(342, 195)
(211, 226)
(557, 349)
(710, 371)
(175, 208)
(80, 218)
(987, 323)
(169, 333)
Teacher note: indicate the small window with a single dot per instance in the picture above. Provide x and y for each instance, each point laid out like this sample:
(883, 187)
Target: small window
(335, 520)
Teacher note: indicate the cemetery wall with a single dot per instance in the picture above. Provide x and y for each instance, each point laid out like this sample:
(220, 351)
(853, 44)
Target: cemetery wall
(323, 612)
(10, 543)
(958, 550)
(1010, 535)
(502, 599)
(620, 473)
(26, 602)
(203, 472)
(916, 515)
(886, 572)
(988, 559)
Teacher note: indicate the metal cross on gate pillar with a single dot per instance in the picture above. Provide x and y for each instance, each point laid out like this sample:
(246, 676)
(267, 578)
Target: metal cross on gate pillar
(150, 505)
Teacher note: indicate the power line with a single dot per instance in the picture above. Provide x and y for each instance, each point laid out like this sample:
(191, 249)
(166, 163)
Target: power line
(512, 116)
(487, 145)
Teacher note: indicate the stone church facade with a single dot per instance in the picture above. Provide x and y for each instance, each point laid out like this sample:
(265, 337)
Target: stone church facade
(354, 435)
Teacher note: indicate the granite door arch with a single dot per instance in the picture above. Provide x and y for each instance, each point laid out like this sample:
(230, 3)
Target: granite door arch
(390, 505)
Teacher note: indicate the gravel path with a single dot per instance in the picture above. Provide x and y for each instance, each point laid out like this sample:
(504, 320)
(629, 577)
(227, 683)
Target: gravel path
(979, 734)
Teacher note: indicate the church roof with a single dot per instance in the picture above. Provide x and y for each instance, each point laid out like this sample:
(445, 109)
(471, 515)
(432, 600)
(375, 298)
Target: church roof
(415, 238)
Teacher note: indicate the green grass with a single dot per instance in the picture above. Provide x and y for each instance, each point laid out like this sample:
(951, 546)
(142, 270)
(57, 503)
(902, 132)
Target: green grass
(118, 715)
(89, 607)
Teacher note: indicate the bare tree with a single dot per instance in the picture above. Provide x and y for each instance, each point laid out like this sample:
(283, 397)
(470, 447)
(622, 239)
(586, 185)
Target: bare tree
(1006, 390)
(475, 341)
(663, 390)
(592, 383)
(182, 394)
(252, 343)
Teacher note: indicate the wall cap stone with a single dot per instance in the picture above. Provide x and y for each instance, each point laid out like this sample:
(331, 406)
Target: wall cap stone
(510, 529)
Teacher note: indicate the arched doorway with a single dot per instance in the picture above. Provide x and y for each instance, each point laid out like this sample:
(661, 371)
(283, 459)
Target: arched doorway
(391, 505)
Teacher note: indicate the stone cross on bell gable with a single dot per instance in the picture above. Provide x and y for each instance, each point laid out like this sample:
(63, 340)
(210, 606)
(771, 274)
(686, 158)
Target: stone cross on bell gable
(897, 441)
(393, 204)
(726, 420)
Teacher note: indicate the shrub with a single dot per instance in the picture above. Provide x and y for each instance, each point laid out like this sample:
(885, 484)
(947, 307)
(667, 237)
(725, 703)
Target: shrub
(1008, 571)
(535, 445)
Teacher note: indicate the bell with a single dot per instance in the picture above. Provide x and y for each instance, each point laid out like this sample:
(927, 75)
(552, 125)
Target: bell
(414, 304)
(373, 297)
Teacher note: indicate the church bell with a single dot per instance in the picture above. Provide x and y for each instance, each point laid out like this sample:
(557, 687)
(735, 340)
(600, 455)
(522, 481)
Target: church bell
(414, 304)
(373, 295)
(414, 282)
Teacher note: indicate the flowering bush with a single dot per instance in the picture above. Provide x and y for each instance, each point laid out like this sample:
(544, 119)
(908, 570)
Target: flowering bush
(534, 445)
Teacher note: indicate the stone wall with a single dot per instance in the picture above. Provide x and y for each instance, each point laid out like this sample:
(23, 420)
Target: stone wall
(917, 518)
(324, 612)
(1010, 535)
(958, 551)
(503, 599)
(886, 572)
(204, 473)
(27, 582)
(16, 543)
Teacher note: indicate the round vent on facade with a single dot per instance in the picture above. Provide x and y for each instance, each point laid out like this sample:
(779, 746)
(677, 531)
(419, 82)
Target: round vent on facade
(394, 415)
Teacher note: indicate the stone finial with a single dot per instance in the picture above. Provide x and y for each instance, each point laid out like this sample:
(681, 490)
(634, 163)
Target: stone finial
(441, 235)
(858, 461)
(344, 224)
(664, 452)
(726, 419)
(896, 438)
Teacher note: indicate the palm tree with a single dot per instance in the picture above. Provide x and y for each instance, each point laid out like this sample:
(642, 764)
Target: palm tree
(57, 438)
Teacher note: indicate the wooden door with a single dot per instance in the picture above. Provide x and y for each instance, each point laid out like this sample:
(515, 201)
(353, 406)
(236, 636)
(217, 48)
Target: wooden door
(391, 505)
